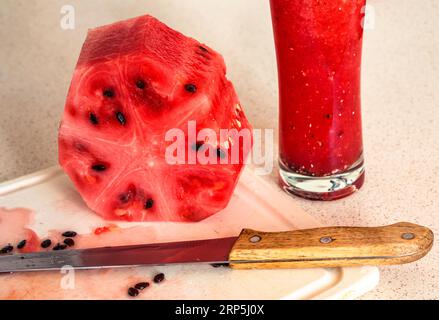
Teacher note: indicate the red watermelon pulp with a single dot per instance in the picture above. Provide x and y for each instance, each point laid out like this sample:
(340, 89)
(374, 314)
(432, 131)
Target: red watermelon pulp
(135, 80)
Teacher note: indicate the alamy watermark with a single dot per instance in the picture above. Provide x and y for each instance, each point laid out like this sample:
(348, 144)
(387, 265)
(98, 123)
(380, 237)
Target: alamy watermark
(67, 21)
(68, 278)
(223, 146)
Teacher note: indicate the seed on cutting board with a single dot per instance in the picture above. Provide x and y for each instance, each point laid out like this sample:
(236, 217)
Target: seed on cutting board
(21, 244)
(133, 292)
(7, 249)
(46, 243)
(69, 234)
(159, 277)
(59, 246)
(141, 285)
(69, 241)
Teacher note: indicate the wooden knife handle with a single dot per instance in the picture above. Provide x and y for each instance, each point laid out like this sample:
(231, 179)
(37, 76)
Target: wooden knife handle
(331, 247)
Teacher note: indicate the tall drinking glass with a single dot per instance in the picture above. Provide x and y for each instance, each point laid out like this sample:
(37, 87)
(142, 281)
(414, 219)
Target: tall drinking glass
(318, 44)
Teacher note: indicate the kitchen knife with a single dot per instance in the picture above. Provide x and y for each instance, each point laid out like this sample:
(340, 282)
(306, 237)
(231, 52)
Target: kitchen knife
(321, 247)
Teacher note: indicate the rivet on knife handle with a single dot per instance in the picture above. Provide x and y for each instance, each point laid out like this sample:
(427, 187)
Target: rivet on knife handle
(331, 247)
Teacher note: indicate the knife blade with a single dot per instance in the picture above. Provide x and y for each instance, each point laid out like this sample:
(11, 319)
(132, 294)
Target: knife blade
(320, 247)
(199, 251)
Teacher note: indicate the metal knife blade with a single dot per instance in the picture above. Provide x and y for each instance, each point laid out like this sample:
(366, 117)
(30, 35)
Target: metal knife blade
(327, 247)
(199, 251)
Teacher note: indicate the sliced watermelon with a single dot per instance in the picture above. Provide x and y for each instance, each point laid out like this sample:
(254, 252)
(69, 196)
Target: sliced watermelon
(135, 80)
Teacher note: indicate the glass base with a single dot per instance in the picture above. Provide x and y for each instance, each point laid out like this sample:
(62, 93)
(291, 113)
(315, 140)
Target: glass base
(324, 188)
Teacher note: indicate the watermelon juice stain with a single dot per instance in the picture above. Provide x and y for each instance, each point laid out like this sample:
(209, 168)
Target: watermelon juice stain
(318, 46)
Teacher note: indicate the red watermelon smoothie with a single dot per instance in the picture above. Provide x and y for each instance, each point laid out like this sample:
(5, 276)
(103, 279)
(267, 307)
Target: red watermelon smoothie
(318, 44)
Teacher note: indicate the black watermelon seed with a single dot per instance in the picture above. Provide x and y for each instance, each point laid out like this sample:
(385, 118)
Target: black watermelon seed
(125, 197)
(220, 153)
(198, 145)
(133, 292)
(159, 277)
(121, 118)
(7, 249)
(21, 244)
(93, 119)
(109, 93)
(149, 203)
(190, 88)
(79, 147)
(219, 265)
(46, 243)
(69, 234)
(141, 285)
(140, 84)
(98, 167)
(203, 49)
(69, 241)
(327, 116)
(59, 246)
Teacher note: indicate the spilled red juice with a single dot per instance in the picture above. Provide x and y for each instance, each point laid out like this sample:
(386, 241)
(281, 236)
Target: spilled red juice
(318, 46)
(69, 284)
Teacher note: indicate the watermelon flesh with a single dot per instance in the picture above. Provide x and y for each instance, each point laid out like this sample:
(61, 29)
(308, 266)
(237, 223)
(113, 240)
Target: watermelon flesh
(134, 81)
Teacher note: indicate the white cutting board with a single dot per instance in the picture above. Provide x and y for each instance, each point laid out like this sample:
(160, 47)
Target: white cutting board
(256, 204)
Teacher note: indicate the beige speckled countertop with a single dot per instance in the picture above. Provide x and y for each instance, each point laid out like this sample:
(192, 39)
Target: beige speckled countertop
(400, 100)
